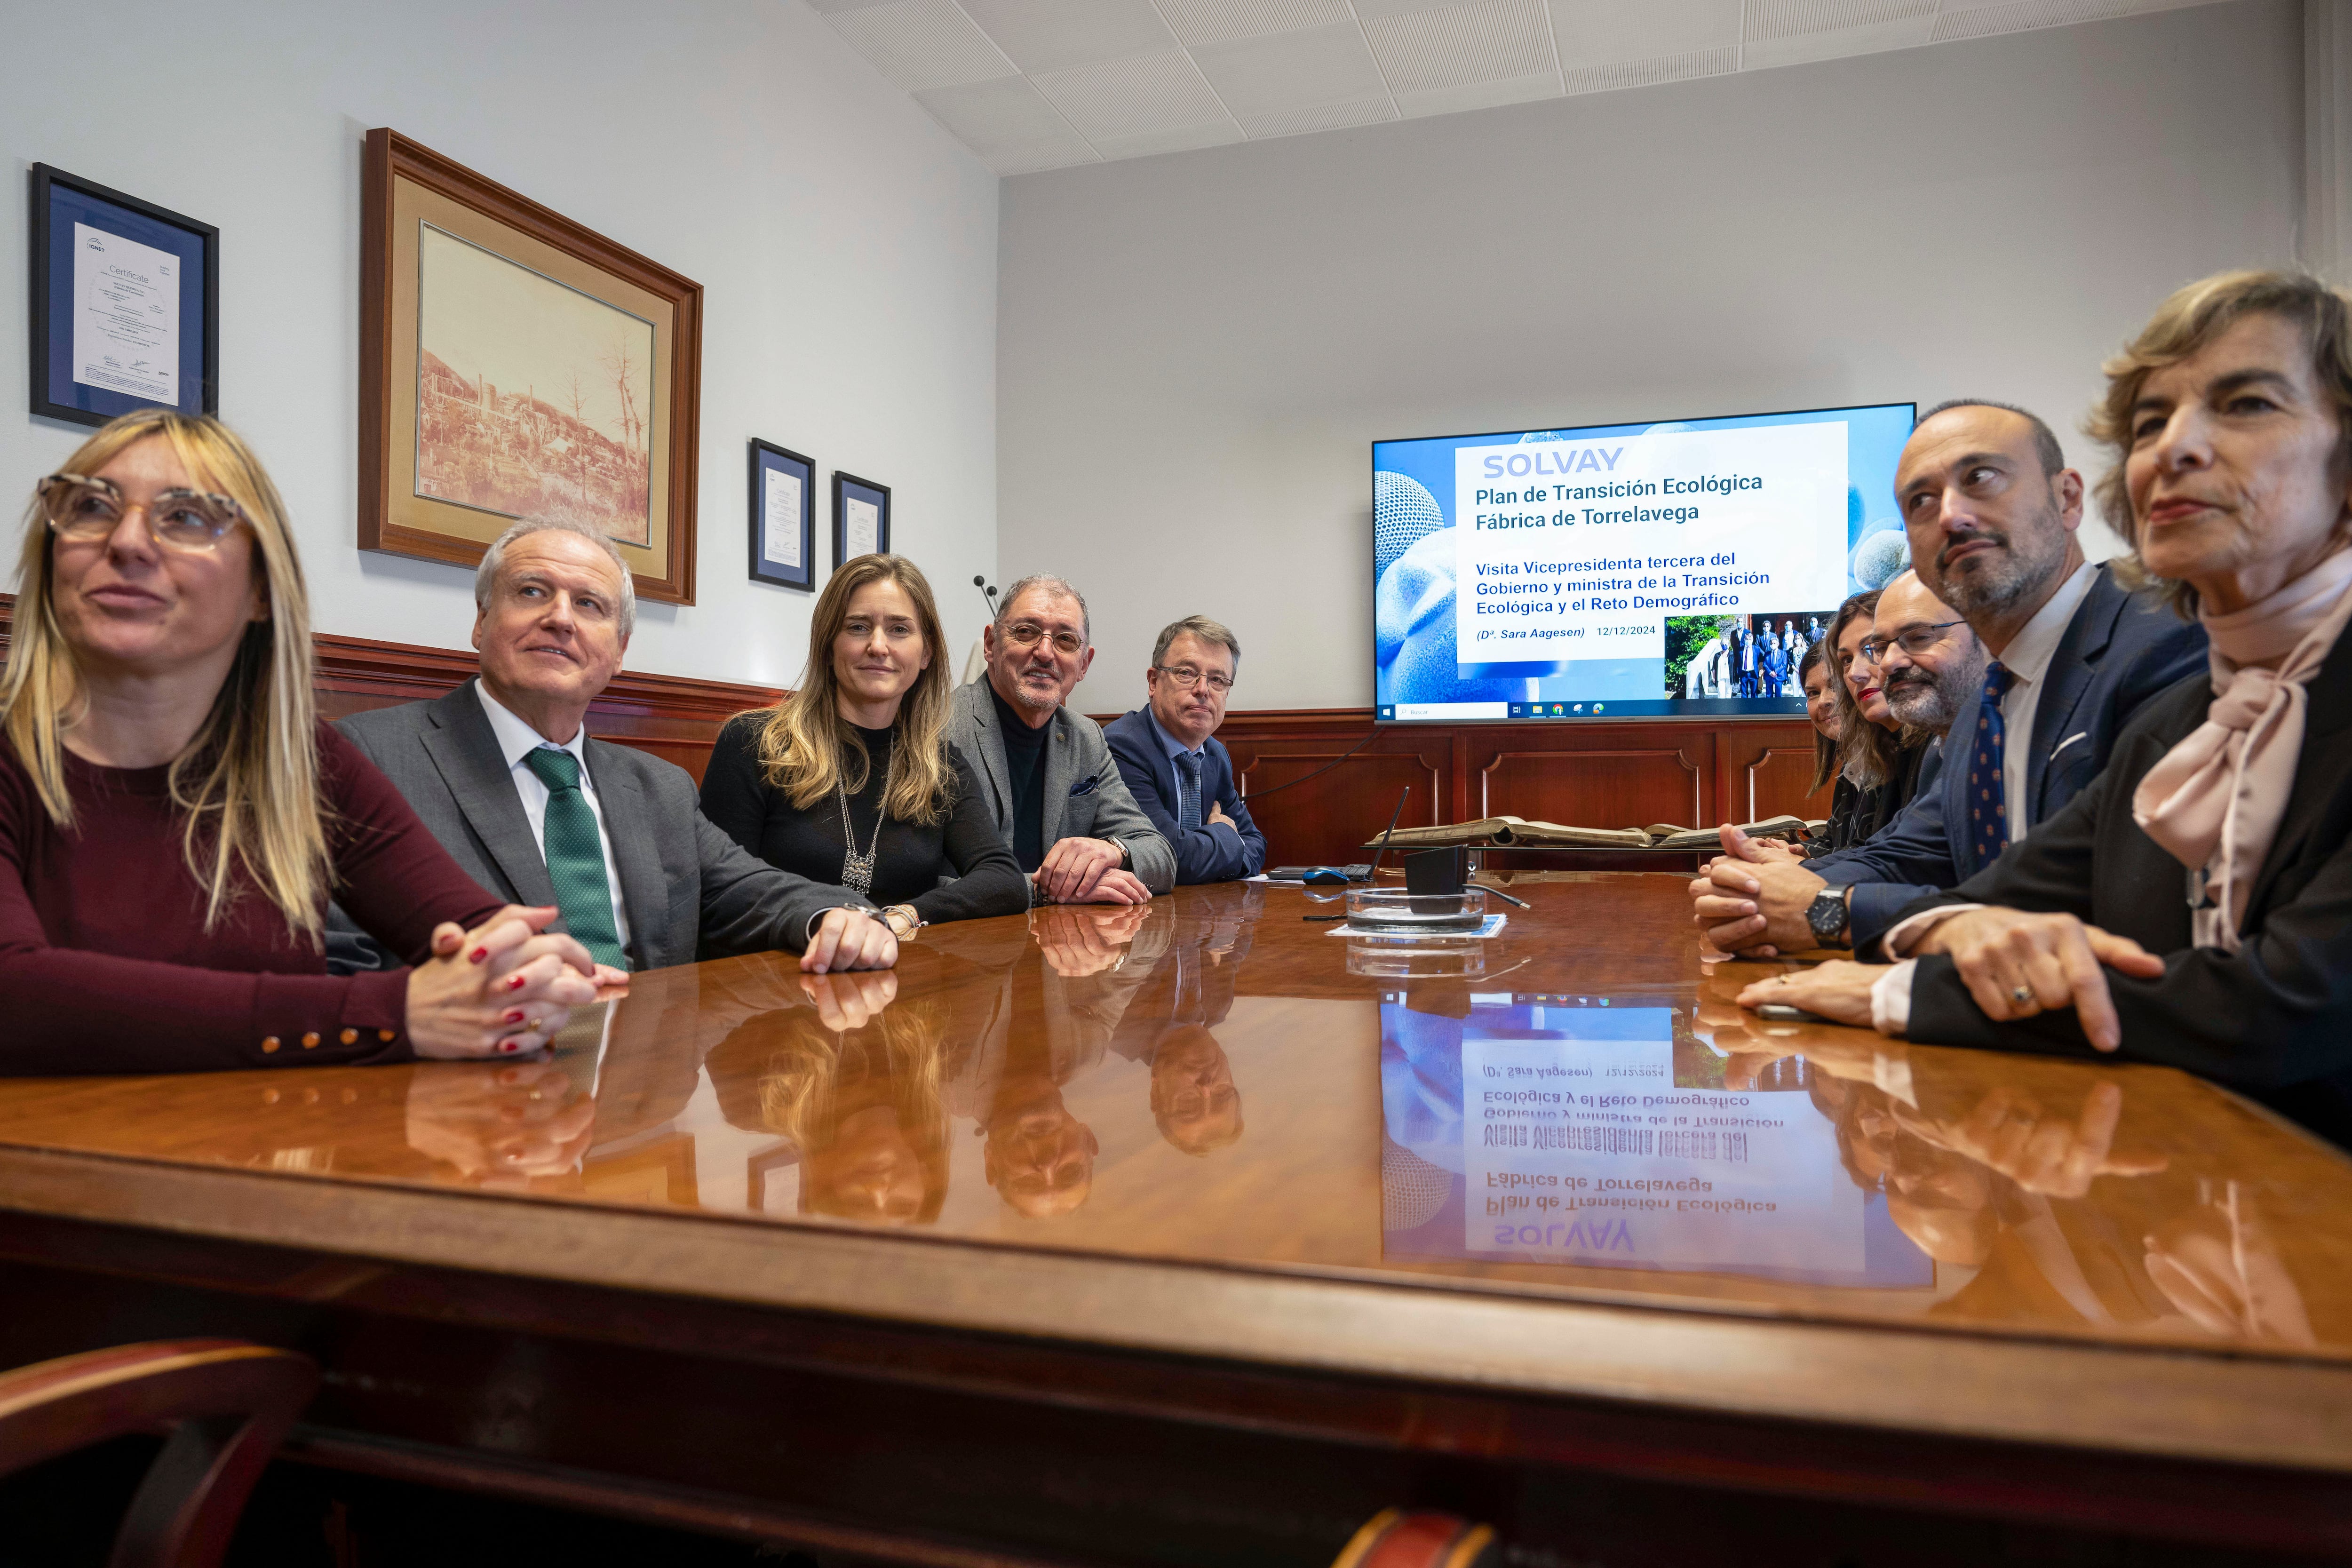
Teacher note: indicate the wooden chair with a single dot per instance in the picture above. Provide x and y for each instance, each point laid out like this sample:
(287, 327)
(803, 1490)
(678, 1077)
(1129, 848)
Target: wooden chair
(227, 1405)
(1395, 1539)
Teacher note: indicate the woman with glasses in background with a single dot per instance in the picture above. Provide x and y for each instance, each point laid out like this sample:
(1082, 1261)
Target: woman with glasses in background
(173, 815)
(1875, 760)
(850, 779)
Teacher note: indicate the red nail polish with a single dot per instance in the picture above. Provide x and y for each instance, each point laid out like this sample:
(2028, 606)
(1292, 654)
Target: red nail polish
(514, 982)
(478, 954)
(514, 1017)
(508, 1045)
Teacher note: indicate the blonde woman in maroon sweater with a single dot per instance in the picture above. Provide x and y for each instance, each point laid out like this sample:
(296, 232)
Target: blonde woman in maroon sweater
(173, 817)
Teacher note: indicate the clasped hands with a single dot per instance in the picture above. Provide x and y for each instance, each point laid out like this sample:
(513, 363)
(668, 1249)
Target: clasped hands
(504, 987)
(1086, 871)
(1752, 901)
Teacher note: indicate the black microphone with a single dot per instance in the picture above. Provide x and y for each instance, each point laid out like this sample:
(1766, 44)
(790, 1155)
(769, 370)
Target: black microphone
(986, 593)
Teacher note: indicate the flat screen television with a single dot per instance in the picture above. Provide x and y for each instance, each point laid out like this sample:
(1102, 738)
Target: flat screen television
(1637, 571)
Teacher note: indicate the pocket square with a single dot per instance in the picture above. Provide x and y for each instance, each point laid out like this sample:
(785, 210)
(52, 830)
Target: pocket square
(1084, 786)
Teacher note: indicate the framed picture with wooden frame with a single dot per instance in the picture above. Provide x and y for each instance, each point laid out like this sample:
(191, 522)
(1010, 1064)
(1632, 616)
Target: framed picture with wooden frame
(784, 516)
(861, 518)
(514, 364)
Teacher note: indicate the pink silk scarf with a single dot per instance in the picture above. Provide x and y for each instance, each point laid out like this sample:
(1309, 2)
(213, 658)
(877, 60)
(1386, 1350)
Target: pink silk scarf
(2213, 802)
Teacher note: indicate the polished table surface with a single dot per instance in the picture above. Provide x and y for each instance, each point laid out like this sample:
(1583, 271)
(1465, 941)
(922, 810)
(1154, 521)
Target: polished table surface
(1211, 1127)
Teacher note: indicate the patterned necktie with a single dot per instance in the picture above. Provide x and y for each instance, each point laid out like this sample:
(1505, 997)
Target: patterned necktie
(1188, 791)
(575, 856)
(1988, 802)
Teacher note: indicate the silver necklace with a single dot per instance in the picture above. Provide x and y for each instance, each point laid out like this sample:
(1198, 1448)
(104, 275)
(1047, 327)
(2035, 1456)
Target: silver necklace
(857, 870)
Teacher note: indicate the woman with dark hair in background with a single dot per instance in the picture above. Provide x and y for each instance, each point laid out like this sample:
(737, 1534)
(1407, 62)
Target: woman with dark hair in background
(851, 780)
(1877, 763)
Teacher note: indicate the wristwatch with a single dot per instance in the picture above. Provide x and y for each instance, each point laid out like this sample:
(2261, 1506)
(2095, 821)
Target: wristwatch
(1126, 856)
(1827, 916)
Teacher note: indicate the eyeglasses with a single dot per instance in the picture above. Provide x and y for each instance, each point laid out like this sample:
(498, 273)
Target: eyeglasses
(1029, 634)
(1186, 677)
(1913, 640)
(86, 509)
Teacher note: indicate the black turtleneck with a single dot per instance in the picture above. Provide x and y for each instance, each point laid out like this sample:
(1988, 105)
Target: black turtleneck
(1025, 767)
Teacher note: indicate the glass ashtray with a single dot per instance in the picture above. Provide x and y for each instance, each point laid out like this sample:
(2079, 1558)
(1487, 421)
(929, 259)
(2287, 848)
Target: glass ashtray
(1387, 910)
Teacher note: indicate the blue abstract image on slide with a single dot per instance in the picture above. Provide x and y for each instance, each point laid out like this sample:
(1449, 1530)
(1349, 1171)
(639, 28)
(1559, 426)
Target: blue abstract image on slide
(1415, 563)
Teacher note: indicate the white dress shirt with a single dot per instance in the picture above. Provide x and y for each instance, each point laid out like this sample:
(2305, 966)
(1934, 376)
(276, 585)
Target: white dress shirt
(517, 741)
(2027, 658)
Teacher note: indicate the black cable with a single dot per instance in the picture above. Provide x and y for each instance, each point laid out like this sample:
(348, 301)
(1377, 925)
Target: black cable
(1318, 774)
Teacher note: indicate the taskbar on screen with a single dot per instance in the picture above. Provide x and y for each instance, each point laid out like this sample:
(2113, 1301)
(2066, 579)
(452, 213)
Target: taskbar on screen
(1660, 708)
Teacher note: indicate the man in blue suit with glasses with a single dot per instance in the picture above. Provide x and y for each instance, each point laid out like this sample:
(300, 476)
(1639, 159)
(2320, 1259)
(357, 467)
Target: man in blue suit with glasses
(1175, 768)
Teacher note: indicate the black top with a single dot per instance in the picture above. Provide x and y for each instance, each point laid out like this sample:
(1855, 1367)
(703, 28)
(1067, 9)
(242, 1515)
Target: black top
(1025, 760)
(2273, 1020)
(912, 859)
(1856, 814)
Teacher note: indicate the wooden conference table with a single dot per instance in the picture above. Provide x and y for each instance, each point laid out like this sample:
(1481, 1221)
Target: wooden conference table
(1175, 1236)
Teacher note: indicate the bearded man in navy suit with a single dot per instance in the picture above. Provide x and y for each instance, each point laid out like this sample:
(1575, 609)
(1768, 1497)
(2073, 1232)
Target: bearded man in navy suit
(1172, 764)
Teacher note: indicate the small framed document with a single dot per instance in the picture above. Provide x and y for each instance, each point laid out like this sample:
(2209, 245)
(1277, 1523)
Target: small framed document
(861, 518)
(126, 304)
(783, 516)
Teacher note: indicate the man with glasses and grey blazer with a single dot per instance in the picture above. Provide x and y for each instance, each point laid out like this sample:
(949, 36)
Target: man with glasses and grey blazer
(1174, 766)
(1049, 776)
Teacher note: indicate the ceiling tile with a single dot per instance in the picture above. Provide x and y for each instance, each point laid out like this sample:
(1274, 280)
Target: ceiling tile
(921, 44)
(1835, 45)
(1181, 140)
(1292, 71)
(2017, 15)
(1320, 117)
(830, 7)
(1477, 95)
(1132, 96)
(1604, 32)
(1488, 40)
(1053, 34)
(1215, 21)
(1791, 18)
(1651, 72)
(1005, 116)
(1037, 160)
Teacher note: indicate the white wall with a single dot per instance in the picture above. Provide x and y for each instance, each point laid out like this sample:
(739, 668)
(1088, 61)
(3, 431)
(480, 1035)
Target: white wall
(846, 244)
(1195, 351)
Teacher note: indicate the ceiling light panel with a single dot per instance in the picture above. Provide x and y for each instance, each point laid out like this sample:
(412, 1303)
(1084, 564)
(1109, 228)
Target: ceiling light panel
(921, 44)
(1132, 96)
(1607, 32)
(1055, 34)
(1488, 40)
(1791, 18)
(2019, 16)
(1215, 21)
(1292, 71)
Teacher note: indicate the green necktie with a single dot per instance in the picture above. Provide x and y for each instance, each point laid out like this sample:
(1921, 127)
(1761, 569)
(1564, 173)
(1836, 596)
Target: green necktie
(575, 856)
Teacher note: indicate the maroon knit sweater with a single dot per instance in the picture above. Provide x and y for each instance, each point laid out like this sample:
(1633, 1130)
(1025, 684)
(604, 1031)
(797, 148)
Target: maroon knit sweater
(106, 965)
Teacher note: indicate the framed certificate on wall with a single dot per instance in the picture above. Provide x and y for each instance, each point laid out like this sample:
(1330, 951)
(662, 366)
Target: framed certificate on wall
(861, 518)
(783, 516)
(126, 304)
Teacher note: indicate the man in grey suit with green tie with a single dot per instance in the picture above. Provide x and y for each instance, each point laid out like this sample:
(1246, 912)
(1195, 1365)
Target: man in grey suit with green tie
(1049, 775)
(504, 773)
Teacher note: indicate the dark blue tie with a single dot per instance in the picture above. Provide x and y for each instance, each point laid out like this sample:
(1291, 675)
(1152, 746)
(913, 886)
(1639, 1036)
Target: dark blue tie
(1988, 804)
(1188, 790)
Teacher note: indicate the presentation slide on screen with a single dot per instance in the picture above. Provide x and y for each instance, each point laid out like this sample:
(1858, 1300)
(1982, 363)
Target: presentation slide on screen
(1625, 571)
(1585, 1133)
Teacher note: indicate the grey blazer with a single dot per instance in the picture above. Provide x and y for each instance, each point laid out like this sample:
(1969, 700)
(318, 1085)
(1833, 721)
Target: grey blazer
(1078, 753)
(687, 888)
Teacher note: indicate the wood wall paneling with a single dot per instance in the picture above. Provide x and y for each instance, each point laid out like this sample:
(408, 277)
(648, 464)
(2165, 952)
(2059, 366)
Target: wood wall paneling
(1594, 776)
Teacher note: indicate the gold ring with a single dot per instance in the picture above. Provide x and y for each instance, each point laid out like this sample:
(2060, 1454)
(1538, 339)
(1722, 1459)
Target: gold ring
(2021, 994)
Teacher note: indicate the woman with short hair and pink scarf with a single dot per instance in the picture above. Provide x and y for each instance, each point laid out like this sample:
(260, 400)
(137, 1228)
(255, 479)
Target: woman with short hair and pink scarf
(2193, 906)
